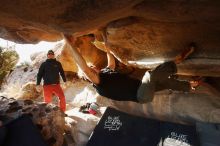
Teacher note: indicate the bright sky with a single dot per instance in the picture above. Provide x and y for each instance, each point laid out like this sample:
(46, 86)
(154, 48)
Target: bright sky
(25, 50)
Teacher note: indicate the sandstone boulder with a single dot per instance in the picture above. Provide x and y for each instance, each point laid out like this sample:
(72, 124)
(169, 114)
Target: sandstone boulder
(139, 31)
(49, 118)
(28, 91)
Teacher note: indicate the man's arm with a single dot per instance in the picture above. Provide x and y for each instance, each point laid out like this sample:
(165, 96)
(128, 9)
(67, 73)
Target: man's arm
(62, 72)
(40, 74)
(89, 72)
(110, 57)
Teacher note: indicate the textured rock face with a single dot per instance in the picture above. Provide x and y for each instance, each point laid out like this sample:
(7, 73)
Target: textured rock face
(92, 55)
(137, 30)
(174, 106)
(48, 18)
(134, 39)
(49, 118)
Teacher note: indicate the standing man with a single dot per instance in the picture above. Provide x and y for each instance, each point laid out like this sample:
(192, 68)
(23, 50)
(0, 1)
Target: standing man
(50, 71)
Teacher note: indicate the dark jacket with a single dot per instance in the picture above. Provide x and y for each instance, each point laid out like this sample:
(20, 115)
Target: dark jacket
(50, 71)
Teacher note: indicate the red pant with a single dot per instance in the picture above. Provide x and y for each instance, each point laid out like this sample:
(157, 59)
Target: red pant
(49, 90)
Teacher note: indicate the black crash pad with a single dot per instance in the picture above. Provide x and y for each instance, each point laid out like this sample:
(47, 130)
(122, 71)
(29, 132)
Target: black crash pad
(22, 132)
(117, 128)
(172, 134)
(208, 133)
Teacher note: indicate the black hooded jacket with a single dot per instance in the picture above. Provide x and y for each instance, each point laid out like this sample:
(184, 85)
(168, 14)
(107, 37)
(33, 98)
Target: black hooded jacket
(50, 71)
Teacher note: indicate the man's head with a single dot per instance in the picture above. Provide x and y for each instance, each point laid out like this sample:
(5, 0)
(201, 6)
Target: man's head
(50, 54)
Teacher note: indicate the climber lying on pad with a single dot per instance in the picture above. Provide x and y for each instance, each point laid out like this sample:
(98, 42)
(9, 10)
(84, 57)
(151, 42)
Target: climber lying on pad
(122, 87)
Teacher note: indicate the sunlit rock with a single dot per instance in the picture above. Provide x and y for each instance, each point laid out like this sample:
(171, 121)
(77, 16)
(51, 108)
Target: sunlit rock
(28, 91)
(21, 76)
(91, 54)
(82, 126)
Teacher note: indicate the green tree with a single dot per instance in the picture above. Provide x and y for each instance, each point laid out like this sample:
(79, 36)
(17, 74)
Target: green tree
(8, 59)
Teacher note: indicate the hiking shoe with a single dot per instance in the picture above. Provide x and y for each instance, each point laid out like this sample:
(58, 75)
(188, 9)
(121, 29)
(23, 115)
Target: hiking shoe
(180, 58)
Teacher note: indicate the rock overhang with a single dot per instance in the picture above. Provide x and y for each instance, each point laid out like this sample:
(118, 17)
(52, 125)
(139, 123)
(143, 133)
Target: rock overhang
(136, 30)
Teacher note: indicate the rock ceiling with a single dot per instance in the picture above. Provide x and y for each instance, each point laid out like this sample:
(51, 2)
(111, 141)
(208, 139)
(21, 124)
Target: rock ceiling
(137, 30)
